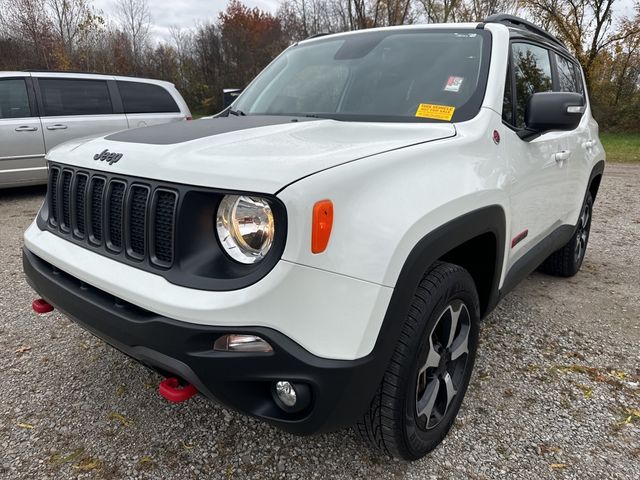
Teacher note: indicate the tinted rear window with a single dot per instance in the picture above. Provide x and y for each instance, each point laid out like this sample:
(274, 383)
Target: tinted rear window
(75, 97)
(146, 98)
(14, 101)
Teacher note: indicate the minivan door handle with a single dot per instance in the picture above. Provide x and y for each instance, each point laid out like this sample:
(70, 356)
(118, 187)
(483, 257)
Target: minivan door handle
(562, 155)
(26, 128)
(57, 126)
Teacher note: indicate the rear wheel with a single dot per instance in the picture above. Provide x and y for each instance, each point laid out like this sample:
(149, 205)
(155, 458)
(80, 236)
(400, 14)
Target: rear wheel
(567, 261)
(427, 377)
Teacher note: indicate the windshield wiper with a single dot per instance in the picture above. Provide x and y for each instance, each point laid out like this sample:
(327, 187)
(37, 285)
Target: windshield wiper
(237, 113)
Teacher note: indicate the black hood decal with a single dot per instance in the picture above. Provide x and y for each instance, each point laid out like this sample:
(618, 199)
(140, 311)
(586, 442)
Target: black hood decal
(178, 132)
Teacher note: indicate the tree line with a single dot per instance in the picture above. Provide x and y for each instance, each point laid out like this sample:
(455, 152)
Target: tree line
(210, 56)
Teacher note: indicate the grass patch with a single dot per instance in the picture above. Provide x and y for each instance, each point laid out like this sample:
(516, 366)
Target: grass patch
(621, 147)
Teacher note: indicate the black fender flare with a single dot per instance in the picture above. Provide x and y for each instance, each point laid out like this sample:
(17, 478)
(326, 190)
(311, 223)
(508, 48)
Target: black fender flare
(430, 248)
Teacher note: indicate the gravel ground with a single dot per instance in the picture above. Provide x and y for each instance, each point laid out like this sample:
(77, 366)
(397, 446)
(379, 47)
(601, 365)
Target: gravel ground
(555, 393)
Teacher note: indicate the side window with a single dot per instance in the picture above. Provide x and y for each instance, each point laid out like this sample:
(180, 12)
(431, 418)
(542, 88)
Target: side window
(146, 98)
(532, 69)
(14, 101)
(567, 78)
(507, 100)
(74, 97)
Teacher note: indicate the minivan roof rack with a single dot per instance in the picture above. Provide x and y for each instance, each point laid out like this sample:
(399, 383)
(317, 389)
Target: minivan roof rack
(513, 21)
(109, 74)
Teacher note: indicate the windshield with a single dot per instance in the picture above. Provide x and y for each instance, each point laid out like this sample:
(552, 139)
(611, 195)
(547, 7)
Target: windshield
(389, 75)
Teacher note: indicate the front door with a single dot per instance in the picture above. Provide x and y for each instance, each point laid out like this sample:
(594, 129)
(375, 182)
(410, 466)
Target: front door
(21, 139)
(538, 170)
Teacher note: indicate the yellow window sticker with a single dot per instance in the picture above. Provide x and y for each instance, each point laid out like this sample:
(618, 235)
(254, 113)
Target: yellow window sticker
(435, 112)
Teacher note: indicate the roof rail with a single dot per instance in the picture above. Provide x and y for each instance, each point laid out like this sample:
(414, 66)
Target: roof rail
(513, 21)
(80, 72)
(316, 35)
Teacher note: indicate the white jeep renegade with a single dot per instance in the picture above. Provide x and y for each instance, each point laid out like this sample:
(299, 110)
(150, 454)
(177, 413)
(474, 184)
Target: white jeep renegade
(321, 253)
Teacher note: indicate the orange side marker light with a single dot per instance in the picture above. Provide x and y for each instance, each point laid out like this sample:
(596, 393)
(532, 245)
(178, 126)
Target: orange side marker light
(321, 226)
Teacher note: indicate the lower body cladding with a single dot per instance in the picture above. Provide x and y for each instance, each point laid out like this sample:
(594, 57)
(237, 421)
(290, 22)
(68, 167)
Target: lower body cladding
(331, 393)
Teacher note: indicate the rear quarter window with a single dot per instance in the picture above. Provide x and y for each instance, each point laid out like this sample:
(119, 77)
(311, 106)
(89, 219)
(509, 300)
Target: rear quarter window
(146, 98)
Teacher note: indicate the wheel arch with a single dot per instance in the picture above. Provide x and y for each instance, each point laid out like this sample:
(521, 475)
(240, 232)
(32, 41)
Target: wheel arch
(595, 178)
(475, 241)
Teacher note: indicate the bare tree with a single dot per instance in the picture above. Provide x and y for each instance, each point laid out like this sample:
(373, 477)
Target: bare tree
(136, 21)
(28, 21)
(587, 26)
(69, 17)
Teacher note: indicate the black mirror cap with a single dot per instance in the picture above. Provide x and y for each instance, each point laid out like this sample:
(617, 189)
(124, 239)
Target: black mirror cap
(547, 111)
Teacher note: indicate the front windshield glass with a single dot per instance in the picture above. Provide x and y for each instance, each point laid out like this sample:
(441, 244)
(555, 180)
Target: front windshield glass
(389, 75)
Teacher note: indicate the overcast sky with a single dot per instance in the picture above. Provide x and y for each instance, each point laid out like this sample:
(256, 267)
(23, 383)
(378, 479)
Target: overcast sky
(187, 13)
(183, 13)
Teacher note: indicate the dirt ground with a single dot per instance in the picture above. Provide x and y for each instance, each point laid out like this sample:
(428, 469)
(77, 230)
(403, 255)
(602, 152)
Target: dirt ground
(555, 393)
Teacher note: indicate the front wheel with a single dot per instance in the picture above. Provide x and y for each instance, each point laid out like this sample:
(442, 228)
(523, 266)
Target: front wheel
(427, 377)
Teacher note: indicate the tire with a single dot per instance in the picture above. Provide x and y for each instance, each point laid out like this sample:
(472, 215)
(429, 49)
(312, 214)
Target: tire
(567, 261)
(418, 378)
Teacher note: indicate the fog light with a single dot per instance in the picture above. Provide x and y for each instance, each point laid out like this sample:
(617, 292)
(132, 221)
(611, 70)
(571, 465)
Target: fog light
(292, 397)
(286, 393)
(241, 343)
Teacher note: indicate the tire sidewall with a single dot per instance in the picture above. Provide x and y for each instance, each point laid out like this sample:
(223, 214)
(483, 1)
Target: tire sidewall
(461, 287)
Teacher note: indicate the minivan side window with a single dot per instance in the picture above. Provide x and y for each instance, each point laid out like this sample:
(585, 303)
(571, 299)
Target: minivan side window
(75, 97)
(532, 72)
(567, 75)
(140, 97)
(14, 101)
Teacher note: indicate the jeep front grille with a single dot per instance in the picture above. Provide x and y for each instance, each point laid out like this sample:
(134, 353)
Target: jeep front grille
(118, 216)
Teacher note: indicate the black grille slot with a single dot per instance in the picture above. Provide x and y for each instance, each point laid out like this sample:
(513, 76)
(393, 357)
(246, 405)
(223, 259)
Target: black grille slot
(163, 226)
(53, 192)
(131, 220)
(66, 200)
(97, 189)
(138, 219)
(80, 203)
(116, 197)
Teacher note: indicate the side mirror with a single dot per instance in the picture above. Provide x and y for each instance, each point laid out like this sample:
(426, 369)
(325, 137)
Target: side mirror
(229, 95)
(547, 111)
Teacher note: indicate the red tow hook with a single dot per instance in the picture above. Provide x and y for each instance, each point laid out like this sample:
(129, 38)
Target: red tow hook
(171, 389)
(40, 306)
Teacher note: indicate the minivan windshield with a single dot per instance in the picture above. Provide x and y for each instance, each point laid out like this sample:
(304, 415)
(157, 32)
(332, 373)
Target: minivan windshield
(401, 75)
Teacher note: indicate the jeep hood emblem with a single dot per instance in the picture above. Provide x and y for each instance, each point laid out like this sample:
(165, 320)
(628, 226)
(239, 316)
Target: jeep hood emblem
(107, 156)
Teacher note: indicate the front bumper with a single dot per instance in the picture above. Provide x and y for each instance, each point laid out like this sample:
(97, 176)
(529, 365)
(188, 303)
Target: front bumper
(340, 389)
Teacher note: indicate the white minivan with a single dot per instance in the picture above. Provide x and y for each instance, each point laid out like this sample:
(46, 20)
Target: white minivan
(39, 110)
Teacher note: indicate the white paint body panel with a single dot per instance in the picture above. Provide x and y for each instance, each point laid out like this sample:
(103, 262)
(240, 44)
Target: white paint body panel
(291, 299)
(391, 184)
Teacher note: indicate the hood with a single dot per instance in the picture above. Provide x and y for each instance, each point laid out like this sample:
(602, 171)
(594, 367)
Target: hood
(254, 153)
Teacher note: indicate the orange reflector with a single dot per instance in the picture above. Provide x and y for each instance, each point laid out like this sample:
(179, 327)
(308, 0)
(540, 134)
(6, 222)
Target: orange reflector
(321, 227)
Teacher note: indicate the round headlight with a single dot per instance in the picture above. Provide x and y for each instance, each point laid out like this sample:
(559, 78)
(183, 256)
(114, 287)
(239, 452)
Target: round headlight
(245, 227)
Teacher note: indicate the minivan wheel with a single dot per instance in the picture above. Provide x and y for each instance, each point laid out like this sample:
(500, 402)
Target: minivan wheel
(427, 377)
(567, 261)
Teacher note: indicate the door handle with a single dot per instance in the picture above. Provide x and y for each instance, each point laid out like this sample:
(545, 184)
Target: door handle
(57, 126)
(562, 155)
(26, 128)
(589, 144)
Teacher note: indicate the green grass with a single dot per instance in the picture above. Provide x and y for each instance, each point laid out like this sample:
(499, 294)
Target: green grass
(621, 147)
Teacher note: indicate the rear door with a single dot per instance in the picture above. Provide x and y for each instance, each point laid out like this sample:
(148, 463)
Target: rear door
(579, 141)
(21, 139)
(148, 104)
(77, 107)
(538, 176)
